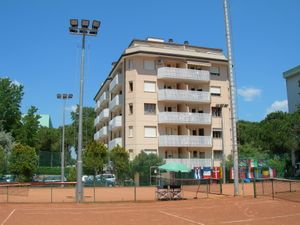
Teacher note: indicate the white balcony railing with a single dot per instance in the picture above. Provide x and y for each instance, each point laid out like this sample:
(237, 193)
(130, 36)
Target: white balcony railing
(184, 118)
(103, 132)
(183, 95)
(113, 143)
(115, 122)
(192, 163)
(115, 82)
(183, 74)
(116, 102)
(102, 116)
(102, 100)
(184, 141)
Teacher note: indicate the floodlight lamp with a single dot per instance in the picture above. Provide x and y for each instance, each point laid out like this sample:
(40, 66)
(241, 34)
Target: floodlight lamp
(74, 23)
(58, 95)
(85, 23)
(70, 96)
(93, 32)
(96, 24)
(65, 96)
(73, 30)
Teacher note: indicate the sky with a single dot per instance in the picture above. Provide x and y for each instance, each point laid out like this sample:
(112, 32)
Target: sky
(37, 51)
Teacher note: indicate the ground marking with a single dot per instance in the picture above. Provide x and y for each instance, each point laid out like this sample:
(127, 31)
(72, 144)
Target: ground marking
(12, 212)
(263, 218)
(182, 218)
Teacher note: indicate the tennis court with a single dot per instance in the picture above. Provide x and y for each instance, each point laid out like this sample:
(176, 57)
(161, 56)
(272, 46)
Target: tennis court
(225, 210)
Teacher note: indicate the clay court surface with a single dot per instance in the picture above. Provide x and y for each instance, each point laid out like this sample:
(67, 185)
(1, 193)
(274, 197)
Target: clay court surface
(223, 210)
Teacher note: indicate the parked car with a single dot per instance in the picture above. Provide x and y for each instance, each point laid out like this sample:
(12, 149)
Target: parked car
(99, 181)
(109, 177)
(8, 178)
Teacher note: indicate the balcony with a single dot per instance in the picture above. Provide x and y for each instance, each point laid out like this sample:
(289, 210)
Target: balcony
(116, 82)
(101, 133)
(183, 74)
(192, 163)
(184, 141)
(113, 143)
(183, 95)
(102, 100)
(184, 118)
(115, 123)
(102, 116)
(116, 103)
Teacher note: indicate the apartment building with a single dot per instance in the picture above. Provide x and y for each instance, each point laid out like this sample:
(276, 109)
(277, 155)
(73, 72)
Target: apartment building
(292, 77)
(168, 99)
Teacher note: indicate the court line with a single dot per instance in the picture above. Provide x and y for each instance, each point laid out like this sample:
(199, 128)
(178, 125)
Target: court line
(12, 212)
(182, 218)
(262, 218)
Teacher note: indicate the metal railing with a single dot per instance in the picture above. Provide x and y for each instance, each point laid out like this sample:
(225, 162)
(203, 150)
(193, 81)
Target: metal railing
(183, 74)
(184, 141)
(184, 118)
(183, 95)
(192, 163)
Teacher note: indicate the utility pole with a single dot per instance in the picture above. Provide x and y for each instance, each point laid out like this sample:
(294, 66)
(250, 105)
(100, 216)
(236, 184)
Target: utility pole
(232, 103)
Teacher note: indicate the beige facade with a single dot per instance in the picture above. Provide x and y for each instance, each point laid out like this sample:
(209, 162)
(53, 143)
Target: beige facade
(168, 99)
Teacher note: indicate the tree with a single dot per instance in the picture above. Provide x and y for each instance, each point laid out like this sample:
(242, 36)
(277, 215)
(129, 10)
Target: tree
(249, 151)
(142, 163)
(29, 129)
(23, 162)
(6, 144)
(88, 117)
(2, 161)
(94, 157)
(10, 102)
(120, 160)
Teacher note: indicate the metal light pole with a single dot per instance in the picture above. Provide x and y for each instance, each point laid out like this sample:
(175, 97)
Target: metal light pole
(223, 155)
(64, 97)
(84, 30)
(232, 103)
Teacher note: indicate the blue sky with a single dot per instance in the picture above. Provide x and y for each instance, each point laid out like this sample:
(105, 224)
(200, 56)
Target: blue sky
(37, 51)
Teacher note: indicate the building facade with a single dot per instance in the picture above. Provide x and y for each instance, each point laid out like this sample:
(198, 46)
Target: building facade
(168, 99)
(292, 77)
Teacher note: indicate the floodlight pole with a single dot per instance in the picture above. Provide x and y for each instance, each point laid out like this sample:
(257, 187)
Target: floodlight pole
(232, 103)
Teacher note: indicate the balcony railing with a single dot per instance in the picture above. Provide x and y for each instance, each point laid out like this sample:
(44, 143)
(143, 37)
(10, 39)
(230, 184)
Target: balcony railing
(183, 74)
(184, 118)
(102, 116)
(183, 95)
(115, 122)
(113, 143)
(101, 133)
(192, 163)
(184, 141)
(116, 102)
(102, 100)
(117, 81)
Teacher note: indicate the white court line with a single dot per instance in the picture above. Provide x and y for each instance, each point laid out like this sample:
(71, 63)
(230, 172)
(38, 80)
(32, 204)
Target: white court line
(182, 218)
(12, 212)
(262, 218)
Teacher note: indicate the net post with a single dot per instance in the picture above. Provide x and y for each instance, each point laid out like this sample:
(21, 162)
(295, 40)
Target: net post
(272, 188)
(290, 186)
(254, 187)
(207, 187)
(134, 186)
(7, 194)
(221, 188)
(51, 193)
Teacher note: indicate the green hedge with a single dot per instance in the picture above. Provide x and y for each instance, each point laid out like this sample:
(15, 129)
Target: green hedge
(52, 171)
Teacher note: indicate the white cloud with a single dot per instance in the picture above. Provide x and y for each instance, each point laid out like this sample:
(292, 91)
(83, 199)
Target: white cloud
(249, 93)
(71, 108)
(278, 106)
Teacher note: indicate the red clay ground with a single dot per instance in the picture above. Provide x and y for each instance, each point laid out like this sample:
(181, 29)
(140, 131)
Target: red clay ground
(225, 210)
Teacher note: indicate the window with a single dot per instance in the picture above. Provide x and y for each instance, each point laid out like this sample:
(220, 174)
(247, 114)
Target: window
(149, 65)
(150, 151)
(149, 86)
(194, 132)
(130, 133)
(149, 109)
(150, 131)
(216, 111)
(218, 154)
(217, 133)
(130, 108)
(215, 91)
(201, 132)
(195, 154)
(215, 71)
(129, 64)
(193, 110)
(130, 154)
(130, 86)
(168, 109)
(202, 155)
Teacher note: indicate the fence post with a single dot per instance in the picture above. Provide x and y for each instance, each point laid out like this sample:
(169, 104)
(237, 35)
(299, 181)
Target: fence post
(6, 193)
(134, 191)
(221, 188)
(254, 187)
(207, 188)
(273, 189)
(51, 193)
(290, 186)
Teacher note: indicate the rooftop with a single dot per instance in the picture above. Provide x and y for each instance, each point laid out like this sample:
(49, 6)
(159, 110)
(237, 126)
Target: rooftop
(292, 72)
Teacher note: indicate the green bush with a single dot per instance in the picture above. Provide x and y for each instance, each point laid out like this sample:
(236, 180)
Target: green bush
(52, 170)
